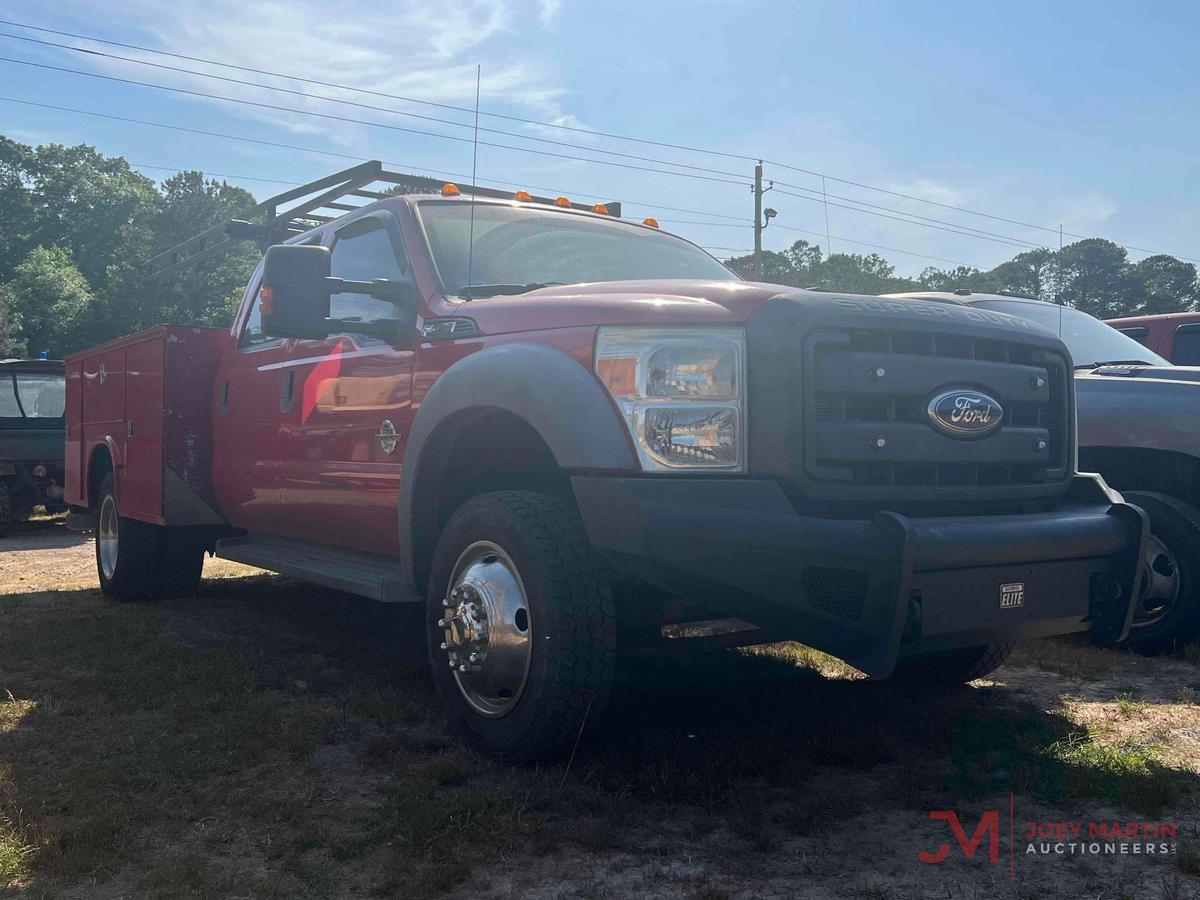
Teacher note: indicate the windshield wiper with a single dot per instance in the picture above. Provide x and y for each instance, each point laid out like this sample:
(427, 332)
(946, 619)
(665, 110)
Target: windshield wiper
(1113, 362)
(477, 291)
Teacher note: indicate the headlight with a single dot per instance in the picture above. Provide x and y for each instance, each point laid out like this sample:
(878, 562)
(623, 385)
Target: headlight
(680, 391)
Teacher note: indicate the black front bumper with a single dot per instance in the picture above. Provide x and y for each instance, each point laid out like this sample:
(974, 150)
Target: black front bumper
(873, 591)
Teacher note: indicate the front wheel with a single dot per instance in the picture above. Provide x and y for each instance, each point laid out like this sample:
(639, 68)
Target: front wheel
(522, 630)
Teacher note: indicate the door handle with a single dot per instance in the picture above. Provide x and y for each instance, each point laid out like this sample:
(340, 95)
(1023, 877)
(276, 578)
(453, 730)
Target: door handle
(223, 401)
(286, 385)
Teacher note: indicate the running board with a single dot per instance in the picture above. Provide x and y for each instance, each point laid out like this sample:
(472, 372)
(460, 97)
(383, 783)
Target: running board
(365, 574)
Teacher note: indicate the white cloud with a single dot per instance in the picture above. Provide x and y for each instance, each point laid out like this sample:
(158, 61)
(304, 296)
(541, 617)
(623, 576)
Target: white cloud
(548, 11)
(929, 189)
(418, 50)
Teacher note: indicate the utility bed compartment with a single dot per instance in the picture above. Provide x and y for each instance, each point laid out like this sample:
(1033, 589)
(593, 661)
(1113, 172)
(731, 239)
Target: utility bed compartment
(146, 399)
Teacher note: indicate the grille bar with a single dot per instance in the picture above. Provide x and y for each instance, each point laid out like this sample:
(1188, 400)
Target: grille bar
(864, 410)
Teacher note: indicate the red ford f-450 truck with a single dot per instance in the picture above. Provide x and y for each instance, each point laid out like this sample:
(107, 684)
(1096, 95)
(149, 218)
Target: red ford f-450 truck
(561, 431)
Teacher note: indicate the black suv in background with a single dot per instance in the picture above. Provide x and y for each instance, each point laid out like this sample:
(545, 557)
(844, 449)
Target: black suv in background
(1139, 427)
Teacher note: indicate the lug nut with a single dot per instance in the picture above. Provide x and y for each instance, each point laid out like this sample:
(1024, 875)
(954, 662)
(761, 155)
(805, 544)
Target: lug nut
(473, 659)
(443, 623)
(443, 646)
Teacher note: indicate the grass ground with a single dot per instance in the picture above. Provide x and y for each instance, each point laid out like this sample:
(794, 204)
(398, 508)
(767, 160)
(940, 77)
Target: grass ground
(270, 739)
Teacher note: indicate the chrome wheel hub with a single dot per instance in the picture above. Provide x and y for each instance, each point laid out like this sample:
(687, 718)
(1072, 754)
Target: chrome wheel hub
(1159, 589)
(486, 629)
(106, 536)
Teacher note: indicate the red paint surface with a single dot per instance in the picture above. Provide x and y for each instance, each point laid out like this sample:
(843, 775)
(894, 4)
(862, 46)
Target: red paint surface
(1160, 330)
(315, 469)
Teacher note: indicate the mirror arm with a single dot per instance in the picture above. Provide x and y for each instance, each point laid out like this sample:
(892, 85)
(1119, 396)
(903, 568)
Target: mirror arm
(380, 288)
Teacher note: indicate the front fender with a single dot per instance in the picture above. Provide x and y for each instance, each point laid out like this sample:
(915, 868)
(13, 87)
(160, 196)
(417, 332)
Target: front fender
(547, 388)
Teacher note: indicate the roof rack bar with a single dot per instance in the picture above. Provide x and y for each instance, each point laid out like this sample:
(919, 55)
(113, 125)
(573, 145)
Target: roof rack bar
(265, 224)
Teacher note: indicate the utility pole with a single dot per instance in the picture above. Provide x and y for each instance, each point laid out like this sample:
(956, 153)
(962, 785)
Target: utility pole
(758, 222)
(762, 218)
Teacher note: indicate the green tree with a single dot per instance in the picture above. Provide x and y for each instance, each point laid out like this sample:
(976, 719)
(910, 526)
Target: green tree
(1095, 277)
(960, 278)
(1031, 274)
(11, 344)
(83, 201)
(16, 200)
(1162, 284)
(48, 298)
(205, 293)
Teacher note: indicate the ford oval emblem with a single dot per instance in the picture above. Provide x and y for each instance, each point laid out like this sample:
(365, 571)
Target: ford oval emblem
(964, 413)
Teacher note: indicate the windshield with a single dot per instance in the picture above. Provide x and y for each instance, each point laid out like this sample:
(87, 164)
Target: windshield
(32, 396)
(1088, 339)
(518, 245)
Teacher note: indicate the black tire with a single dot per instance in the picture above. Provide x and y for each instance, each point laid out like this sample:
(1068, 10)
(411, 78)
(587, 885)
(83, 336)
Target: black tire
(954, 667)
(142, 563)
(571, 621)
(5, 508)
(1175, 527)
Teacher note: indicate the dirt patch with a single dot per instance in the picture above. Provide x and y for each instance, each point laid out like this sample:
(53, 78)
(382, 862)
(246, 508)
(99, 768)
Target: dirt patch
(270, 739)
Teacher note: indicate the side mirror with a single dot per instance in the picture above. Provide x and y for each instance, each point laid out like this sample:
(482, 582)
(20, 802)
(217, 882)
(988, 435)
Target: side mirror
(294, 297)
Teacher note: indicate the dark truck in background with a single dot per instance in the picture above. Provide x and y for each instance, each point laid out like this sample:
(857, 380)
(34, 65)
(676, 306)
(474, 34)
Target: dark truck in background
(1139, 427)
(32, 396)
(574, 430)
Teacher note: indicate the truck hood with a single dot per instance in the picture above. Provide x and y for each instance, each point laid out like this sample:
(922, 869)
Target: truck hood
(1143, 407)
(660, 301)
(1162, 373)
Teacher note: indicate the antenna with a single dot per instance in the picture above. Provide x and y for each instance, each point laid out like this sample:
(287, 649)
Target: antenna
(474, 161)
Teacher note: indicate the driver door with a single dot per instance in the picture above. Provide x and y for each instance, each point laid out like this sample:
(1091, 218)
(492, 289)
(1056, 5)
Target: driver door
(350, 407)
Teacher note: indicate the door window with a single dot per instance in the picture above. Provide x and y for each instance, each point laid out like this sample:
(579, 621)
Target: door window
(363, 252)
(252, 334)
(1186, 350)
(1139, 333)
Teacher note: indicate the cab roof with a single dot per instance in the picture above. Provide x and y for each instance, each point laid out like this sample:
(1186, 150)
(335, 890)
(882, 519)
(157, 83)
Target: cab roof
(33, 366)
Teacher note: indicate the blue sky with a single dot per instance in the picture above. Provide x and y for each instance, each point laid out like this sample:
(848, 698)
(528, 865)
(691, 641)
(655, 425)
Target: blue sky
(1079, 114)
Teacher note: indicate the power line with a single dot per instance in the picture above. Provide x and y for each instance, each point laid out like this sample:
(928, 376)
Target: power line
(345, 87)
(823, 197)
(965, 231)
(331, 116)
(846, 240)
(554, 125)
(308, 96)
(253, 103)
(1024, 245)
(302, 149)
(583, 194)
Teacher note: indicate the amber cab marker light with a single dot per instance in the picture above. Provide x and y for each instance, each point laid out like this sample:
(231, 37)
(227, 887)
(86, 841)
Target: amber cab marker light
(651, 221)
(450, 190)
(266, 299)
(600, 208)
(562, 201)
(523, 195)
